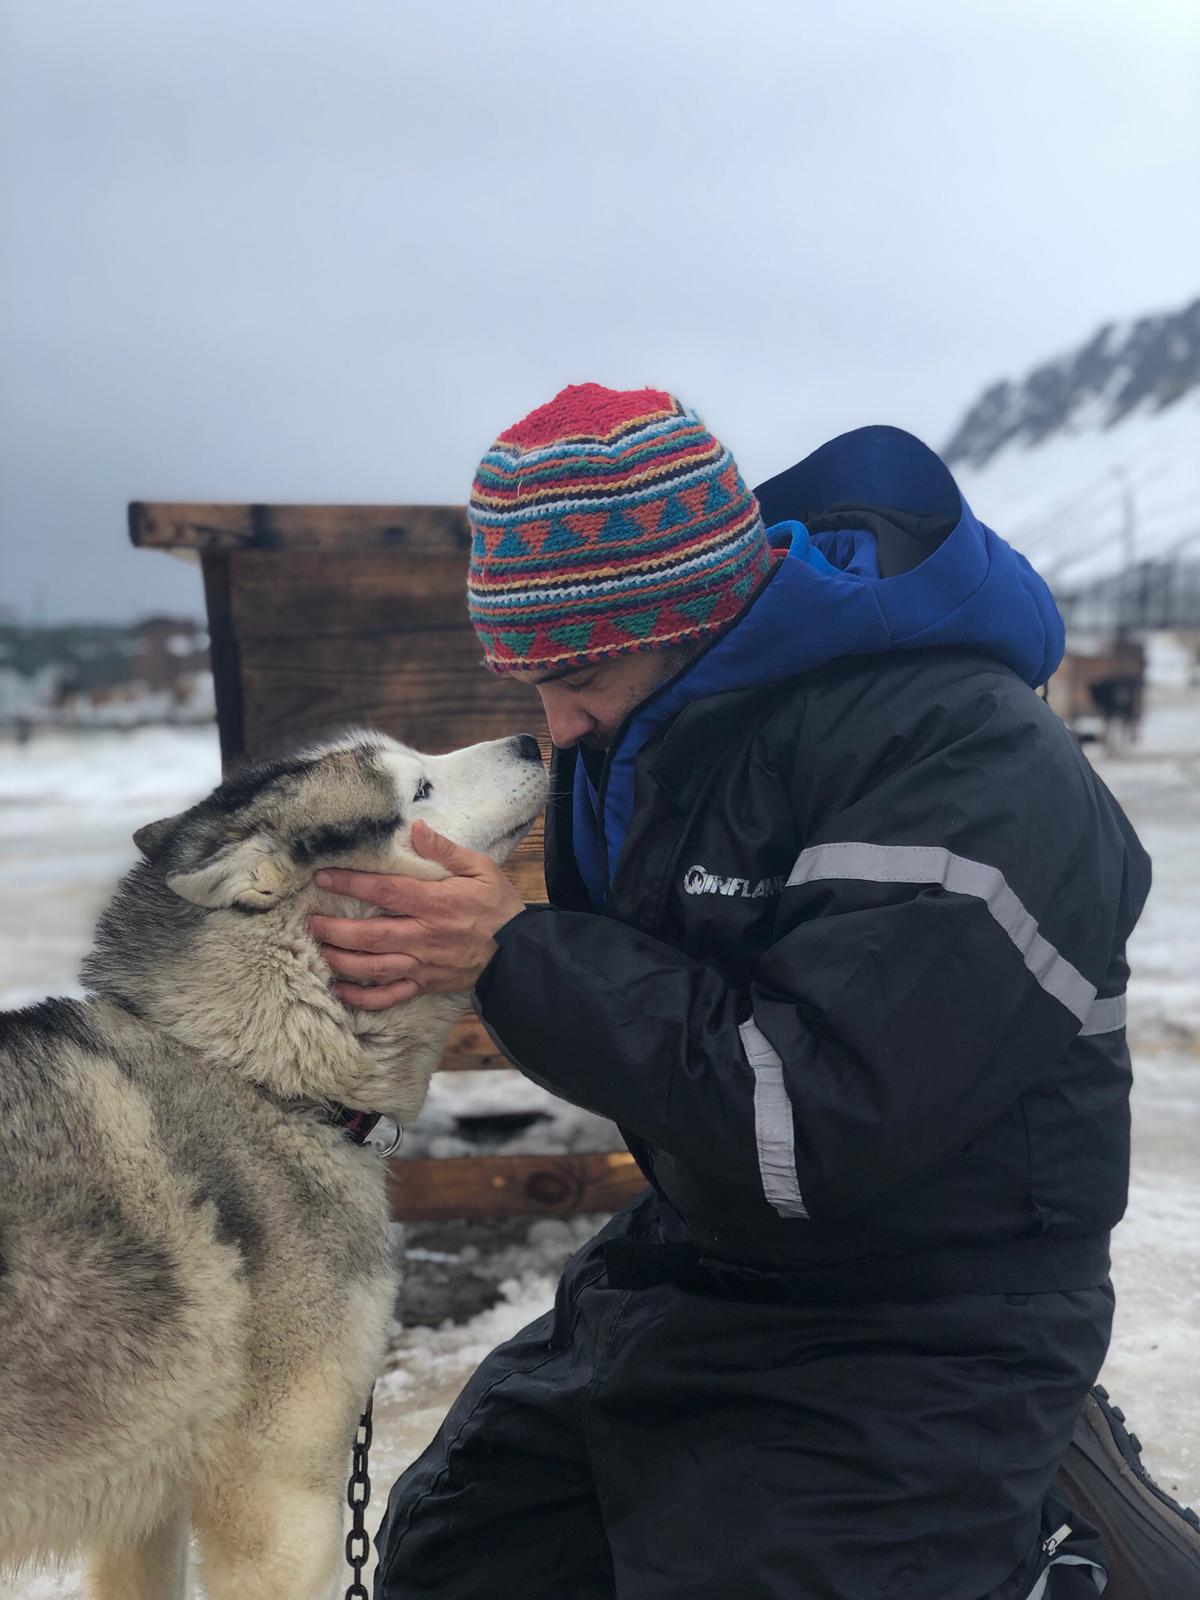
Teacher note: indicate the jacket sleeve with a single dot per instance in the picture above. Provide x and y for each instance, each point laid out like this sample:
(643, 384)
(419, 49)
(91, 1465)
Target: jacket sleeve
(939, 944)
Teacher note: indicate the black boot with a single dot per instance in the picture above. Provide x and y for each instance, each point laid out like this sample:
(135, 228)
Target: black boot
(1151, 1543)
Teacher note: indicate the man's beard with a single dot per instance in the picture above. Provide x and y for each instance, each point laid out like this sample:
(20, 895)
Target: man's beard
(670, 662)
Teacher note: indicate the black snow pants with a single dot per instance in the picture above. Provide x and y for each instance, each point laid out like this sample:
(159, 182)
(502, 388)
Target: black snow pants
(662, 1443)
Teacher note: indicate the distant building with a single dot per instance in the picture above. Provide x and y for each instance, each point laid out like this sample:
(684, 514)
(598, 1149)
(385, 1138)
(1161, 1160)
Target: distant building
(154, 670)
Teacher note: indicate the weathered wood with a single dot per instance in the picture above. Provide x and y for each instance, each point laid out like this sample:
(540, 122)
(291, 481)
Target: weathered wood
(511, 1186)
(429, 690)
(324, 617)
(420, 530)
(470, 1049)
(526, 866)
(227, 683)
(352, 592)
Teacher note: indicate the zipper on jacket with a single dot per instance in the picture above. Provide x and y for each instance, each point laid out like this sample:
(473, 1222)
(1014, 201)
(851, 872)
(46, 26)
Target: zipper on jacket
(623, 728)
(606, 770)
(604, 775)
(601, 830)
(682, 831)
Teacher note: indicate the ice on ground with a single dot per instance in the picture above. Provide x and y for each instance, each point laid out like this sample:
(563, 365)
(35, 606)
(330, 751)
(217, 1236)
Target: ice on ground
(69, 806)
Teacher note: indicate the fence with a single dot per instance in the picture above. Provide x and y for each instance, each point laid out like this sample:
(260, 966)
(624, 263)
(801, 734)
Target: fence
(1161, 594)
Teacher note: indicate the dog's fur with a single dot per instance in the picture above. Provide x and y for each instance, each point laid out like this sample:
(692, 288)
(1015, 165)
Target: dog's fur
(194, 1270)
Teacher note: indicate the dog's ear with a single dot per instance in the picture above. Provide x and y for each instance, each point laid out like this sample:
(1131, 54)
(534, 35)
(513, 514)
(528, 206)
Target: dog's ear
(254, 874)
(153, 836)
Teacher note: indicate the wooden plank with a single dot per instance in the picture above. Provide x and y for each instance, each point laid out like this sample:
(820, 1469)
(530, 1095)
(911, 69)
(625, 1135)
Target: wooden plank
(511, 1186)
(345, 592)
(421, 530)
(429, 690)
(526, 866)
(470, 1049)
(227, 684)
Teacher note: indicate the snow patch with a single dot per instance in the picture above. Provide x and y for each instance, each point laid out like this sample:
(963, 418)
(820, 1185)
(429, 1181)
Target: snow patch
(1063, 502)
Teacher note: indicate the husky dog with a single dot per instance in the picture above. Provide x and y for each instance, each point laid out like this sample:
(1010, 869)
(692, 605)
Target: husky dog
(194, 1269)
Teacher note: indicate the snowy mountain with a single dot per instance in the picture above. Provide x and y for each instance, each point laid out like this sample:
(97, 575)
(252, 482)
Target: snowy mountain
(1091, 461)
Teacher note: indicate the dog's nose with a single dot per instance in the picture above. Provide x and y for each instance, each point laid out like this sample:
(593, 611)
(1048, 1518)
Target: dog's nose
(527, 747)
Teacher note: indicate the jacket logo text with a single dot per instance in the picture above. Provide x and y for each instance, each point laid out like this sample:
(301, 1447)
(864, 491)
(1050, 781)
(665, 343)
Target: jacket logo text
(699, 880)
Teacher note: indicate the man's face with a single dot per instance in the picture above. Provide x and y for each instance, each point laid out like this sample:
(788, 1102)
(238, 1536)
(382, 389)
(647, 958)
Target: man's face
(586, 705)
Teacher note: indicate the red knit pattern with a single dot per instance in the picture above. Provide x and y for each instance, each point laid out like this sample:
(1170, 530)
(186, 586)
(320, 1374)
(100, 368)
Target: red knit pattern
(607, 522)
(588, 411)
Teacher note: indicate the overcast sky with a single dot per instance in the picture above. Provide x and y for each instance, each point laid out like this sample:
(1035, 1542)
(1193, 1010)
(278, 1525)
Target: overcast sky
(288, 250)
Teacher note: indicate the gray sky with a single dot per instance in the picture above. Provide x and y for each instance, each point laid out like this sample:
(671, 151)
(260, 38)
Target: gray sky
(282, 250)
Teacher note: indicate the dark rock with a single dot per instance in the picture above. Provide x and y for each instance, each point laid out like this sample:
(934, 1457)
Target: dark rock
(1152, 362)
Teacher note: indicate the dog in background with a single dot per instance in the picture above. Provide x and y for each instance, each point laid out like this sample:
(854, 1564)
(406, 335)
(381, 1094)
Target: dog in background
(195, 1279)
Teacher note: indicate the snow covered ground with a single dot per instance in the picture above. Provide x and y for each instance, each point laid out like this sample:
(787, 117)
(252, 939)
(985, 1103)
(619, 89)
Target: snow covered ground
(69, 804)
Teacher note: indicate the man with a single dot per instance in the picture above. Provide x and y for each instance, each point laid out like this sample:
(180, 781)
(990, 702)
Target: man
(837, 929)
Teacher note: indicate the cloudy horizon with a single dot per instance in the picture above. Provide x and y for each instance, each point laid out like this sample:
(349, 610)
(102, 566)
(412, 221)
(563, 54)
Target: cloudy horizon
(324, 253)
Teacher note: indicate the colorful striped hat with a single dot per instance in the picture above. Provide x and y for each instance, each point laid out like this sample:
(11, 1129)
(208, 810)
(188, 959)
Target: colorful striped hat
(606, 522)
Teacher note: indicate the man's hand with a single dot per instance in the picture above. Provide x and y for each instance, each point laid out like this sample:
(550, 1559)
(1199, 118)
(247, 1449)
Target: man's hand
(438, 936)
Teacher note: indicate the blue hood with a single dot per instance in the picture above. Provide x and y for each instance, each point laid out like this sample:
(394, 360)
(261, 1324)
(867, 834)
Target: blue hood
(826, 599)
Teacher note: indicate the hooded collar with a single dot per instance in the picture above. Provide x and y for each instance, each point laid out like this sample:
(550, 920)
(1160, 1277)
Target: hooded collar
(875, 497)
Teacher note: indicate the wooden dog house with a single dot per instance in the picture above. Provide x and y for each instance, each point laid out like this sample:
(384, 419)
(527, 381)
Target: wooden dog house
(324, 617)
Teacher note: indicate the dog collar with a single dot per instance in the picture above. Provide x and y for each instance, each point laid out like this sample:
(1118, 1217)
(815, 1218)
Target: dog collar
(366, 1128)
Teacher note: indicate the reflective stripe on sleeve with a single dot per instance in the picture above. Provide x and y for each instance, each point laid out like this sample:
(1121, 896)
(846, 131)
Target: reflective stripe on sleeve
(774, 1131)
(892, 863)
(1105, 1016)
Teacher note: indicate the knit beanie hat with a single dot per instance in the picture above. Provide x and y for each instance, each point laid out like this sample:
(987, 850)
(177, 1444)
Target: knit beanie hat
(608, 521)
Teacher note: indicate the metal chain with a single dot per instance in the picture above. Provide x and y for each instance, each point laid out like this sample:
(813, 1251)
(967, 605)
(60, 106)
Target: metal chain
(358, 1495)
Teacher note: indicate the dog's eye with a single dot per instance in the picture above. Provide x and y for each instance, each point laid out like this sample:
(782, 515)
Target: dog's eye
(424, 790)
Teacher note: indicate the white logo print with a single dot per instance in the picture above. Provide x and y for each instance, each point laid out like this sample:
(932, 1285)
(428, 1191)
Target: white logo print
(699, 880)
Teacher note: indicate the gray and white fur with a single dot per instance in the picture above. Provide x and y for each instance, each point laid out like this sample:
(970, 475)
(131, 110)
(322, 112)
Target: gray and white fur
(194, 1270)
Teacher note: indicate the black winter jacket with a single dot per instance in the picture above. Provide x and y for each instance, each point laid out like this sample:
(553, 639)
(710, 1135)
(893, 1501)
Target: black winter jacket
(857, 1003)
